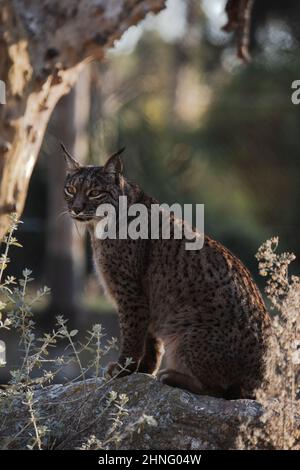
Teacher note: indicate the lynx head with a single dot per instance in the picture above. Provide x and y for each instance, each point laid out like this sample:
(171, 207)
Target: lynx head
(86, 187)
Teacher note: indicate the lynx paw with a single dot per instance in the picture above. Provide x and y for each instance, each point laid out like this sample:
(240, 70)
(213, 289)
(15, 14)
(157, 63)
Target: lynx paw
(177, 379)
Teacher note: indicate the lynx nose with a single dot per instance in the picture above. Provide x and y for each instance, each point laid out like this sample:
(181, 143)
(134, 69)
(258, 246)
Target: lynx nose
(77, 210)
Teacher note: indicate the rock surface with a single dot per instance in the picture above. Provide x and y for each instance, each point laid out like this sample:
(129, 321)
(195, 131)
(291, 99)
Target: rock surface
(74, 412)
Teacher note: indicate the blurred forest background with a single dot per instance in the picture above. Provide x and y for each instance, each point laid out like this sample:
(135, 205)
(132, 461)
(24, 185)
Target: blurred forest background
(199, 126)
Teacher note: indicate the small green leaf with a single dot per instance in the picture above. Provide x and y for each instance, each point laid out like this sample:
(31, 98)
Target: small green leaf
(17, 244)
(26, 272)
(73, 332)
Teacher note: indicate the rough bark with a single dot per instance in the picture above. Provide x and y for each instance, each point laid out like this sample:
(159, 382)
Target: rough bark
(43, 47)
(183, 421)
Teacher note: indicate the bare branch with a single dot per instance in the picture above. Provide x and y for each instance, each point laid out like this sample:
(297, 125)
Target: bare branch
(239, 20)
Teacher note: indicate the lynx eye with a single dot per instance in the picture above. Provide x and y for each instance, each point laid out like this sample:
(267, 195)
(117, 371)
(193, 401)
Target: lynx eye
(70, 191)
(95, 193)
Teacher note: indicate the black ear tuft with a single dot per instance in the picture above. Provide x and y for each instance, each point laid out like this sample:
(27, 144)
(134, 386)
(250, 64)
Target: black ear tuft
(72, 164)
(114, 163)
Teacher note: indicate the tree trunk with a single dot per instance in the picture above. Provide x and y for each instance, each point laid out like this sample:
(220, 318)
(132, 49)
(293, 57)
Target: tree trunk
(43, 46)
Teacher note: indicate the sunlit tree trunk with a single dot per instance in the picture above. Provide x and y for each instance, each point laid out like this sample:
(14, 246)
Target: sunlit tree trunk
(43, 46)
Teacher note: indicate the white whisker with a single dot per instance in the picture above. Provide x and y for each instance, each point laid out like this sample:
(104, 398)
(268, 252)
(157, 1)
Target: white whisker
(62, 214)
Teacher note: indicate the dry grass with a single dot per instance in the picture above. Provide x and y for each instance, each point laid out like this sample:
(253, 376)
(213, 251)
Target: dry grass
(280, 422)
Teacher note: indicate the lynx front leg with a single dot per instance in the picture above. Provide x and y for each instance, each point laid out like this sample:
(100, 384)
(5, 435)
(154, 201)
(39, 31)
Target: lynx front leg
(151, 360)
(134, 321)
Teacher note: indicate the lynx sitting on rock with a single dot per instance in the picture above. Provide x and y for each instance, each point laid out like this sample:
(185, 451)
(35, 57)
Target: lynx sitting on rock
(201, 307)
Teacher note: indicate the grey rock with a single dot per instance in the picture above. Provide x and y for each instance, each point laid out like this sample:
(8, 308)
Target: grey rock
(182, 420)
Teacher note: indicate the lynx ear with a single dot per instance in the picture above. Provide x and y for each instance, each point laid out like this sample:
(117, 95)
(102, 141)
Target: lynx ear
(114, 164)
(72, 164)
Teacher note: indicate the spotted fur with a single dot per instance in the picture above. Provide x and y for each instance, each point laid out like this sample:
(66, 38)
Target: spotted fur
(201, 307)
